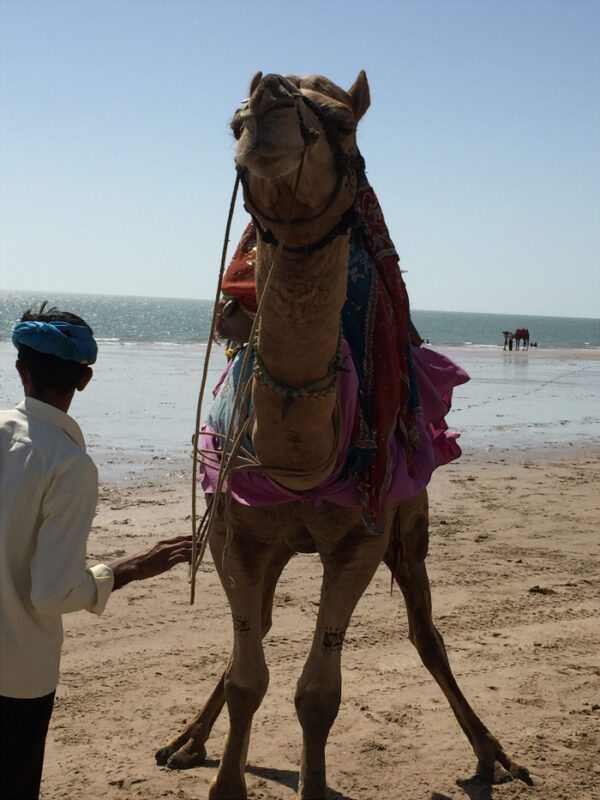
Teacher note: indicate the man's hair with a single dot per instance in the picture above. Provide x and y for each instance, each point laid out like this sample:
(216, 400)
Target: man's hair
(48, 371)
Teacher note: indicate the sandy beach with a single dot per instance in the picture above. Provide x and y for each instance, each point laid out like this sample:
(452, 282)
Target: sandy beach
(514, 564)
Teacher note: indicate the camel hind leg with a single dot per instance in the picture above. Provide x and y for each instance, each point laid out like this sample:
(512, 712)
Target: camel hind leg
(406, 559)
(188, 749)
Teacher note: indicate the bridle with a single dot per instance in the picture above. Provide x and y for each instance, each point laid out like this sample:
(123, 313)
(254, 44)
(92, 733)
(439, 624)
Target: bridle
(345, 164)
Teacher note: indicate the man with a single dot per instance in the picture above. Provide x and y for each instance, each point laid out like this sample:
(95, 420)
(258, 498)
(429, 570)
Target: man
(48, 496)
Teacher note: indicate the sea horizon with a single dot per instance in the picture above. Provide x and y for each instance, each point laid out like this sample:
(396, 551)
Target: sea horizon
(44, 292)
(137, 318)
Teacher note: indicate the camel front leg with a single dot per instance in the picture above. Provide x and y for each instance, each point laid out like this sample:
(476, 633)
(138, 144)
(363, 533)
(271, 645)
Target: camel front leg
(188, 749)
(347, 572)
(242, 574)
(406, 559)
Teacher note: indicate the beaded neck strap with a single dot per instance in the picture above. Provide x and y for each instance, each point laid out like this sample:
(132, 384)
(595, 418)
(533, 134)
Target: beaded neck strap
(314, 389)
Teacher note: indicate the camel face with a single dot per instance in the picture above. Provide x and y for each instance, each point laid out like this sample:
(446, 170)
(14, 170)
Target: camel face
(288, 121)
(268, 131)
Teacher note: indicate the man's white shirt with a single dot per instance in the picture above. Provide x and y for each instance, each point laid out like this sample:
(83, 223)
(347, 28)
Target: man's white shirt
(48, 496)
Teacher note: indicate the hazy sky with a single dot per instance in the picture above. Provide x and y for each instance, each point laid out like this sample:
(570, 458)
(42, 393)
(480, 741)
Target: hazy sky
(482, 141)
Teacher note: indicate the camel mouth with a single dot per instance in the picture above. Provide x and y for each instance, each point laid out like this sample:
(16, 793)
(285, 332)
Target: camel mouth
(262, 165)
(270, 145)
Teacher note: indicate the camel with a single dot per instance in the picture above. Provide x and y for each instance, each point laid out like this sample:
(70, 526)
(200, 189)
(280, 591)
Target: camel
(522, 335)
(298, 155)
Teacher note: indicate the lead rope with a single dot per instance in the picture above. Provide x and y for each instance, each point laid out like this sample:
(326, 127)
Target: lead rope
(196, 437)
(236, 431)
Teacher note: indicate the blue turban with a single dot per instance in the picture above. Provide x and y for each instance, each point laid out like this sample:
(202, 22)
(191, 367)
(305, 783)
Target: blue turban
(62, 339)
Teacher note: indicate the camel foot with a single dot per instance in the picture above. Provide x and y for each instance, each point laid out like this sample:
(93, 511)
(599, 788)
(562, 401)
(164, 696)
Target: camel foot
(162, 756)
(317, 794)
(498, 773)
(521, 774)
(315, 789)
(188, 756)
(227, 790)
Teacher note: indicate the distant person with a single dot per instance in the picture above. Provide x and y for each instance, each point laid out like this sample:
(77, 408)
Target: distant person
(48, 496)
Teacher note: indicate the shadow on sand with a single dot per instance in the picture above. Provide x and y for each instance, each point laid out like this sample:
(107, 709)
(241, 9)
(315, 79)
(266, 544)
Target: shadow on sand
(474, 788)
(289, 778)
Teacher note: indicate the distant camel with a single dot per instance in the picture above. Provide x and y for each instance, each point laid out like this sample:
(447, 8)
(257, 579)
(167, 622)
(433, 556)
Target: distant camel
(522, 335)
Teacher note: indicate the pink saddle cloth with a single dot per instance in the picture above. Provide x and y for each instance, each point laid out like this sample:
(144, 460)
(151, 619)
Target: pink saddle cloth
(436, 374)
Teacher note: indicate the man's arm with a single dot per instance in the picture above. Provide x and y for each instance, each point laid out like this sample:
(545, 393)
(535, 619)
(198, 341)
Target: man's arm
(156, 559)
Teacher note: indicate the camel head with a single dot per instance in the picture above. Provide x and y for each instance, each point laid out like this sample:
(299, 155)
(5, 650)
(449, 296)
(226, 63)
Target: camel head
(287, 122)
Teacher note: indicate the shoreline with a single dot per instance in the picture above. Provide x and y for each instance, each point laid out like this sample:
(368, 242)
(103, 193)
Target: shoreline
(179, 474)
(138, 413)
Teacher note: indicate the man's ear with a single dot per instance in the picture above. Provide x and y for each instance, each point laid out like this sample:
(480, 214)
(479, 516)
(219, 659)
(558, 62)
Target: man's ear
(85, 379)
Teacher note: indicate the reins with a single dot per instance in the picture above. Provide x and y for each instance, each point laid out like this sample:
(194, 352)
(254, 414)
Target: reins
(232, 441)
(197, 558)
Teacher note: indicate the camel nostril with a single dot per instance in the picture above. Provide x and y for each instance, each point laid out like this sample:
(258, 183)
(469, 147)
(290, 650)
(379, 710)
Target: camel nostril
(270, 95)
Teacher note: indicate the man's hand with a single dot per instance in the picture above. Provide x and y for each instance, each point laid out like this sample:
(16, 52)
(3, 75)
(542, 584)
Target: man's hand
(153, 561)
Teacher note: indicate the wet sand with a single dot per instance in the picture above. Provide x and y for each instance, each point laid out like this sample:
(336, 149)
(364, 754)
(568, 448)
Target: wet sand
(514, 564)
(138, 412)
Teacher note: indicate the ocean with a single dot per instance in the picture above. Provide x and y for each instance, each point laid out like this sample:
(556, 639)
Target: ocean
(170, 321)
(138, 413)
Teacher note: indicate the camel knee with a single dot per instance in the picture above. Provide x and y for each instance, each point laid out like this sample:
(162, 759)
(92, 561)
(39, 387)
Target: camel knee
(317, 709)
(244, 697)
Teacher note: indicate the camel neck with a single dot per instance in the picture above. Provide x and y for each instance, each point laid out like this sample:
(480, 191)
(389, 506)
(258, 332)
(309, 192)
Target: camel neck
(296, 438)
(300, 322)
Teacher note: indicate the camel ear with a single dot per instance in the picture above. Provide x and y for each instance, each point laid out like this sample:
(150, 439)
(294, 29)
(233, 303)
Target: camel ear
(254, 83)
(360, 95)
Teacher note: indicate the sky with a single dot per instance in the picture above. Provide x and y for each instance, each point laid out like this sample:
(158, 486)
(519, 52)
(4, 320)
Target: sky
(482, 140)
